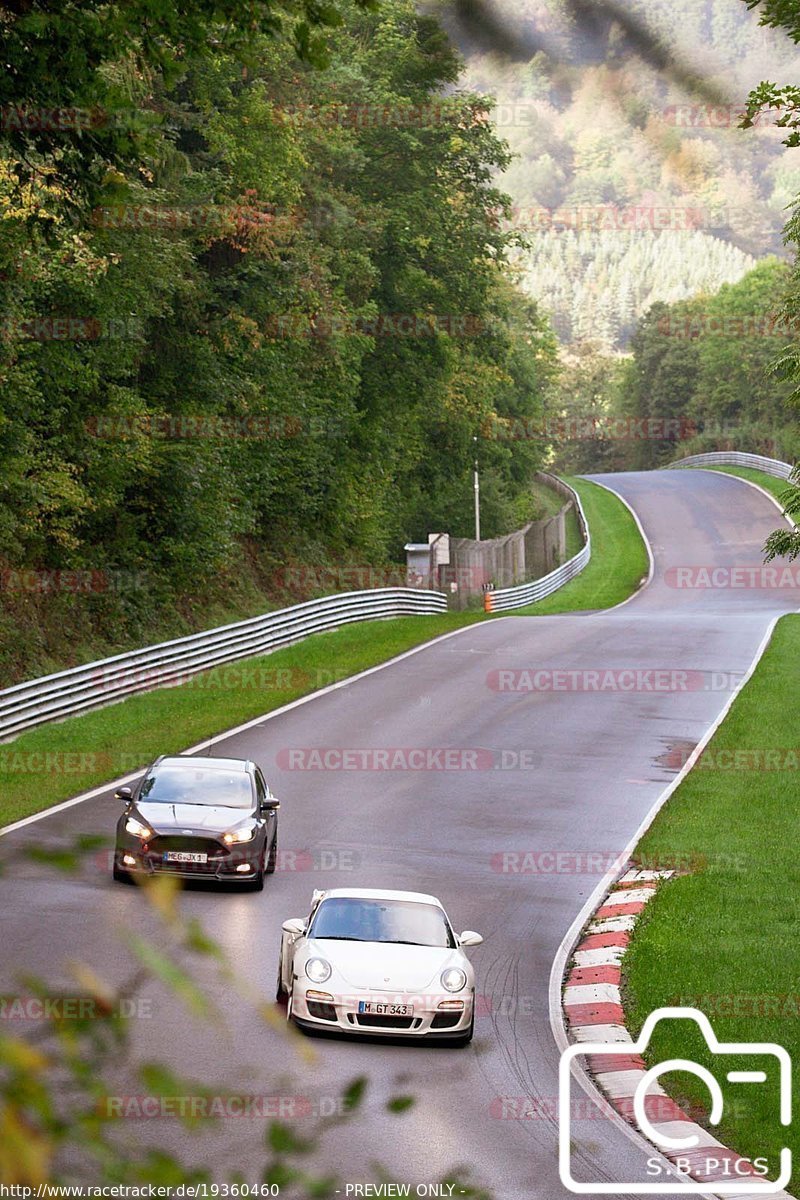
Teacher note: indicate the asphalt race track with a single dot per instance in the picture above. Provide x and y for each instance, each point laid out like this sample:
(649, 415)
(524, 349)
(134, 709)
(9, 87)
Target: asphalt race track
(572, 771)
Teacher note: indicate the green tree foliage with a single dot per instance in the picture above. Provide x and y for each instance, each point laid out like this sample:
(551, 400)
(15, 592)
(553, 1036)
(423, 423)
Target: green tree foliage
(782, 104)
(257, 300)
(778, 14)
(705, 366)
(631, 184)
(584, 422)
(596, 284)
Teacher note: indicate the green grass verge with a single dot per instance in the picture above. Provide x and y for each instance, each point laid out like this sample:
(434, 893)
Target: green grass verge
(775, 487)
(619, 557)
(722, 935)
(57, 761)
(574, 536)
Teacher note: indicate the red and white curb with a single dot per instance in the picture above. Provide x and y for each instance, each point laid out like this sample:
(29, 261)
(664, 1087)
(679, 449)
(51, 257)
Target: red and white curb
(594, 1013)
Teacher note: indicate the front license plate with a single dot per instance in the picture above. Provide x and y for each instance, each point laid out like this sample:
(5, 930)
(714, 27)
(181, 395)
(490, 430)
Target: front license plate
(385, 1010)
(184, 856)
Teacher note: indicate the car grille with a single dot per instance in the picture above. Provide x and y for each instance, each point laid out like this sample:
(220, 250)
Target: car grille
(179, 868)
(193, 845)
(159, 845)
(382, 1021)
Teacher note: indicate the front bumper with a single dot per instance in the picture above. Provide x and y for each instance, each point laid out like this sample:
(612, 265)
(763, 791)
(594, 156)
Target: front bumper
(433, 1016)
(222, 864)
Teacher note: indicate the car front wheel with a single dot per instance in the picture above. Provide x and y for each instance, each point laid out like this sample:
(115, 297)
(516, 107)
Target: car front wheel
(257, 884)
(272, 861)
(118, 873)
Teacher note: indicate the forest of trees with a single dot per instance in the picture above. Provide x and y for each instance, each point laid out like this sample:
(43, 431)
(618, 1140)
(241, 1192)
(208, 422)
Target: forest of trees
(252, 304)
(631, 187)
(653, 224)
(597, 284)
(699, 378)
(262, 285)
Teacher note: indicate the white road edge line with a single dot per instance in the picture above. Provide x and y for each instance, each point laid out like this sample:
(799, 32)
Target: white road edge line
(650, 558)
(573, 933)
(228, 733)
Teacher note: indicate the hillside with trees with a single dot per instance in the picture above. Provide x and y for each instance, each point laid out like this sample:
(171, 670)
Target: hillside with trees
(633, 185)
(255, 308)
(700, 377)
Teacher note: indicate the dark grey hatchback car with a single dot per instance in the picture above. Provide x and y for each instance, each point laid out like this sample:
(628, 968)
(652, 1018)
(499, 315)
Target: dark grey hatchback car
(199, 818)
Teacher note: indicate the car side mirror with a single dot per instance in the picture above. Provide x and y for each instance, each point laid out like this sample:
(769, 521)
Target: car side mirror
(124, 793)
(294, 925)
(271, 804)
(470, 938)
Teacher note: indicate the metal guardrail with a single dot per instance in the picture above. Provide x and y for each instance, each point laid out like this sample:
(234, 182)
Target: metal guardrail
(53, 697)
(733, 458)
(527, 593)
(26, 705)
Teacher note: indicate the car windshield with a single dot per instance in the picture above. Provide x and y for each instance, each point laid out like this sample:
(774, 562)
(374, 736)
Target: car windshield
(405, 922)
(198, 785)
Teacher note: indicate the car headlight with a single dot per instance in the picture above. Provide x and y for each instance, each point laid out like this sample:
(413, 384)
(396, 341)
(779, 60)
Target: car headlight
(235, 836)
(138, 829)
(454, 979)
(318, 970)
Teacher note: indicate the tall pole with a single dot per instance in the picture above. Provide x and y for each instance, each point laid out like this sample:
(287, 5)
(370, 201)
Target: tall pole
(477, 489)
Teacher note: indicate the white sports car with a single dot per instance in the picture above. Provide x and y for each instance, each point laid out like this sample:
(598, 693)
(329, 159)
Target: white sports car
(378, 962)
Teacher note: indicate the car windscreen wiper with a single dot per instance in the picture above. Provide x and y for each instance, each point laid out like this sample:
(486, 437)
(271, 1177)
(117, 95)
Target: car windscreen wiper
(335, 937)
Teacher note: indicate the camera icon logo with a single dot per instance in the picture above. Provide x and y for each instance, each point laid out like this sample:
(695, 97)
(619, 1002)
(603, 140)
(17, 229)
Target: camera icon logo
(670, 1140)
